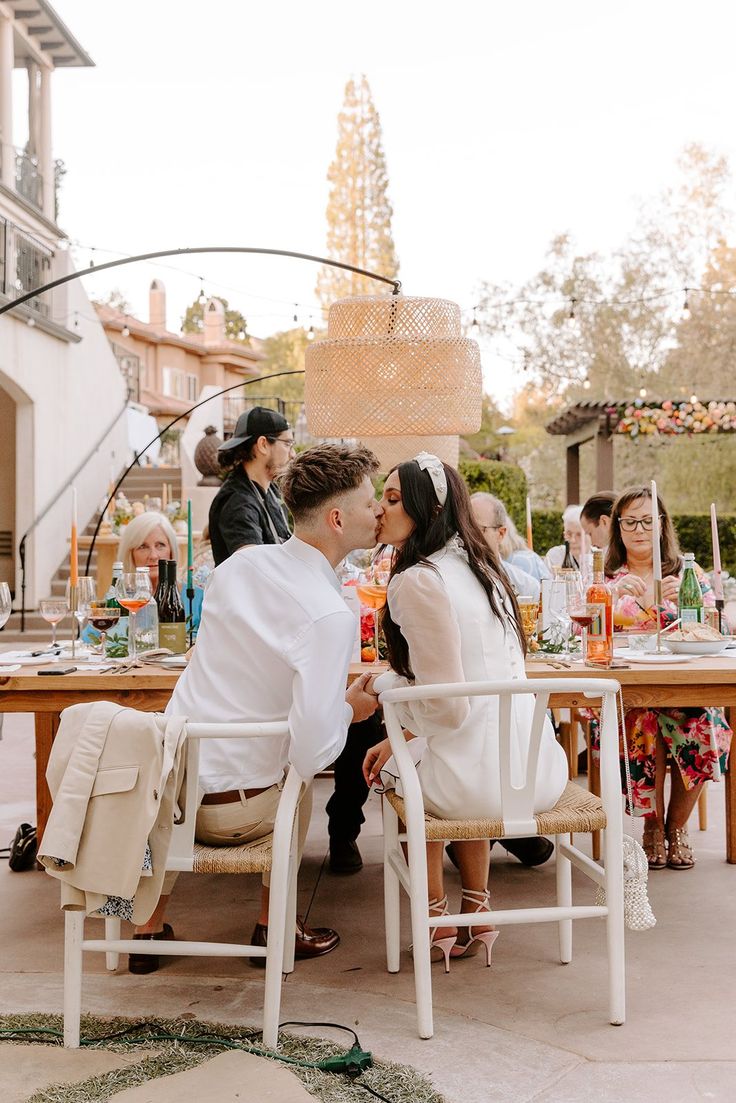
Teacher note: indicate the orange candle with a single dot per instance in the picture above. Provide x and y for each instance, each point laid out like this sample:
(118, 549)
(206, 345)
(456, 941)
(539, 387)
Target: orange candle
(74, 564)
(529, 535)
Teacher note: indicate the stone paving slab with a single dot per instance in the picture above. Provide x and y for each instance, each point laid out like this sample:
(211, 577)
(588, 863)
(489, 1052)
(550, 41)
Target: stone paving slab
(27, 1069)
(227, 1078)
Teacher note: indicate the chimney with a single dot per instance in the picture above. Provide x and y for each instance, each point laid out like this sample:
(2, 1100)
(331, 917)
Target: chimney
(157, 304)
(214, 323)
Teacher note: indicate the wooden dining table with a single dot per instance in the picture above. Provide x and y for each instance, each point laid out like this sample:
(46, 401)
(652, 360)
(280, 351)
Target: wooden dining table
(701, 682)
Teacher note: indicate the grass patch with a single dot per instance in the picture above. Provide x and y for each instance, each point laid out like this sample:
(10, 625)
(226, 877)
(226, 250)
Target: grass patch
(165, 1056)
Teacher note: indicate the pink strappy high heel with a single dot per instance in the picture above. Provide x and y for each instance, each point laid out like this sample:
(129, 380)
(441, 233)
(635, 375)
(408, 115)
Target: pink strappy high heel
(469, 945)
(444, 945)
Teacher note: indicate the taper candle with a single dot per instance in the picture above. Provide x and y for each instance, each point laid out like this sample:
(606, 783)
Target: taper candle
(529, 534)
(190, 546)
(656, 550)
(717, 575)
(163, 498)
(74, 549)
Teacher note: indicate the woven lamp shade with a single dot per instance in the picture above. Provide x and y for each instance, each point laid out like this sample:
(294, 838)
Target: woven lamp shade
(393, 450)
(393, 365)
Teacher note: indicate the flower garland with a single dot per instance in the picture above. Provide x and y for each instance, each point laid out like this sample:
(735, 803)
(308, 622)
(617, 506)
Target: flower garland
(673, 418)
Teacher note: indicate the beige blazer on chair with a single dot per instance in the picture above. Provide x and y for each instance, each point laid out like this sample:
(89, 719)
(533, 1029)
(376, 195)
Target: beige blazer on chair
(115, 775)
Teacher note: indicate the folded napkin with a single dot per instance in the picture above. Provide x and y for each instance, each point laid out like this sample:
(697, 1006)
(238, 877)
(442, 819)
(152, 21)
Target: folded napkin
(9, 669)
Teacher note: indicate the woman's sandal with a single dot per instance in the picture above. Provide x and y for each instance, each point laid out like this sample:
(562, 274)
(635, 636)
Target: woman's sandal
(653, 844)
(468, 943)
(444, 945)
(680, 849)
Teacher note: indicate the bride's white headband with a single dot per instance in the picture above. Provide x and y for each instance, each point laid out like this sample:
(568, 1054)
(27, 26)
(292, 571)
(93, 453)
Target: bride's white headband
(434, 466)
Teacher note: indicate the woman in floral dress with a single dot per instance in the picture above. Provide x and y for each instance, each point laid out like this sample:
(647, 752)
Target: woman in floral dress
(693, 738)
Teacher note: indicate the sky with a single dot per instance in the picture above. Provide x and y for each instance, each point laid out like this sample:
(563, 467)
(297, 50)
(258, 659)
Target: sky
(503, 125)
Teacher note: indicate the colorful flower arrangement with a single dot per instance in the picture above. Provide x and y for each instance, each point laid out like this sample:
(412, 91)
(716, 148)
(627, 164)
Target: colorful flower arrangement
(668, 418)
(368, 638)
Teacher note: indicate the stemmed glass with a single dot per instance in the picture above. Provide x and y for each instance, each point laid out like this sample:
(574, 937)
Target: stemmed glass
(577, 607)
(102, 617)
(6, 603)
(86, 594)
(133, 592)
(559, 614)
(53, 610)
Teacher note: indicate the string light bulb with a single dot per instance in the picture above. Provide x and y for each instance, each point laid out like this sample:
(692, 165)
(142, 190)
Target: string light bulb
(201, 297)
(642, 392)
(586, 384)
(310, 333)
(693, 398)
(475, 323)
(125, 331)
(686, 304)
(573, 303)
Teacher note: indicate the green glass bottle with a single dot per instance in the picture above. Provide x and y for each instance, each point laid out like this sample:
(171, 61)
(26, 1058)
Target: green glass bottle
(690, 596)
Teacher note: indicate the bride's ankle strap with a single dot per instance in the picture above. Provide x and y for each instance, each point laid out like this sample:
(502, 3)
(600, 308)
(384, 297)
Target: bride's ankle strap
(477, 896)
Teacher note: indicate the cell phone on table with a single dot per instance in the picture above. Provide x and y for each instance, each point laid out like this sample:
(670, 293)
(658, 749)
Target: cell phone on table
(59, 670)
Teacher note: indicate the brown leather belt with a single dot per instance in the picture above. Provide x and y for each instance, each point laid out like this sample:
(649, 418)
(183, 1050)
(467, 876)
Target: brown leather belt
(232, 796)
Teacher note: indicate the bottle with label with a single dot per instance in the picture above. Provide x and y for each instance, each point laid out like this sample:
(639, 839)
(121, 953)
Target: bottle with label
(111, 595)
(146, 622)
(690, 596)
(568, 563)
(599, 606)
(116, 642)
(172, 628)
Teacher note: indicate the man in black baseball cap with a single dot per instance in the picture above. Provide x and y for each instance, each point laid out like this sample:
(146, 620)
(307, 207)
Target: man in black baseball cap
(248, 508)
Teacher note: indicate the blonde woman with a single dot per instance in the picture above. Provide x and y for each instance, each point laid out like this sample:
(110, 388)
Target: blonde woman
(145, 540)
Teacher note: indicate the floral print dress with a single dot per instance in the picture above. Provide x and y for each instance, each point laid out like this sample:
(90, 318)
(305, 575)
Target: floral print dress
(695, 738)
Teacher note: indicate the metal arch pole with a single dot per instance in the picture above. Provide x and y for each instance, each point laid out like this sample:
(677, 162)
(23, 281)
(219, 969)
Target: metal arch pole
(395, 284)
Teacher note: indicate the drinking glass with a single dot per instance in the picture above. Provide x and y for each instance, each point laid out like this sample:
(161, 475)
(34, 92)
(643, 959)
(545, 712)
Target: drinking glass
(372, 592)
(86, 594)
(5, 603)
(578, 609)
(559, 614)
(133, 592)
(529, 609)
(103, 617)
(53, 610)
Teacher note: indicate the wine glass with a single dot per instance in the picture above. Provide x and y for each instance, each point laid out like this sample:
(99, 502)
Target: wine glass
(372, 592)
(577, 607)
(103, 617)
(6, 603)
(133, 592)
(86, 594)
(53, 610)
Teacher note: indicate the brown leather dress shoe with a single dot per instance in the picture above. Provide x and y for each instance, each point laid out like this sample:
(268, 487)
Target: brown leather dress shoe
(309, 941)
(140, 964)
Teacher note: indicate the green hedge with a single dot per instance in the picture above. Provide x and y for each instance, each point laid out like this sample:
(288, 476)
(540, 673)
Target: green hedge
(504, 480)
(693, 531)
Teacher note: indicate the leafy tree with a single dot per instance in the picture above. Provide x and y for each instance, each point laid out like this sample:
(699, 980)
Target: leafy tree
(358, 211)
(236, 327)
(284, 352)
(117, 301)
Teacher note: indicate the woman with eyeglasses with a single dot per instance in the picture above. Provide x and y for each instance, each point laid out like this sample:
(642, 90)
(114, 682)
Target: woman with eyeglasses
(687, 736)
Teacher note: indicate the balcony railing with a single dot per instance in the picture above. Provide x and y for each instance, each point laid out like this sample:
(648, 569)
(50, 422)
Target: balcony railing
(28, 179)
(25, 264)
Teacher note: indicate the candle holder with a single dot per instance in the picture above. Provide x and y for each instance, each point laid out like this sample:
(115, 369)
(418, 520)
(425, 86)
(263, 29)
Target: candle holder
(190, 598)
(73, 606)
(658, 605)
(720, 604)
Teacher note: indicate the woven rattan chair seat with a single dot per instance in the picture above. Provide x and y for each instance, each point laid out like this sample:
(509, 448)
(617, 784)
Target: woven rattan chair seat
(253, 858)
(576, 810)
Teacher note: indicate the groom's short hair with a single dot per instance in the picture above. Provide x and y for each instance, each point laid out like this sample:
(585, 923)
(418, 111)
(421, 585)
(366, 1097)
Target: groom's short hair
(322, 473)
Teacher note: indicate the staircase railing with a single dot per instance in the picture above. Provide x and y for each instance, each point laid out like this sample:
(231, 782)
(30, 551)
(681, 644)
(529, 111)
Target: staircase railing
(37, 520)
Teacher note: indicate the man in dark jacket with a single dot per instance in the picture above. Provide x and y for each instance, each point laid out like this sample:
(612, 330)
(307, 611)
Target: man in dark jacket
(248, 508)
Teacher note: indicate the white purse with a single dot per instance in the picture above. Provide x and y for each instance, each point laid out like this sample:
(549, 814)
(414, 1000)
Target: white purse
(638, 914)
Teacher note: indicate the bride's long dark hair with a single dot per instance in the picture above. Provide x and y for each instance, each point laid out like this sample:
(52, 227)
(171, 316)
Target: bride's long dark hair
(434, 526)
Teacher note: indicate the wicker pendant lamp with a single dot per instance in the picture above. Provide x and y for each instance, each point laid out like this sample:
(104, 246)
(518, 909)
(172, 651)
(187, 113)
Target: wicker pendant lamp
(393, 450)
(392, 365)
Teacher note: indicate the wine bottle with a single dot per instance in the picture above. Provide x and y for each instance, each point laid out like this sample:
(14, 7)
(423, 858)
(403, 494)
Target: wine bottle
(690, 596)
(111, 595)
(172, 629)
(599, 603)
(569, 563)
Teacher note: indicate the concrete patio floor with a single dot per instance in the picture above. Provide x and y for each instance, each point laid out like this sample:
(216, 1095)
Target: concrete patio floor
(528, 1029)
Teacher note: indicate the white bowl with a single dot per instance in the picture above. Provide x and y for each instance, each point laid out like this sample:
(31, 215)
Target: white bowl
(700, 647)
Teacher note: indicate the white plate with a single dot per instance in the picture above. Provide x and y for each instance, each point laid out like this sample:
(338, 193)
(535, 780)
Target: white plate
(173, 662)
(28, 660)
(628, 656)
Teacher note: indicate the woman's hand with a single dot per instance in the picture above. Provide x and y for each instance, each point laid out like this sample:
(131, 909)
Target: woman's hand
(374, 761)
(670, 588)
(630, 586)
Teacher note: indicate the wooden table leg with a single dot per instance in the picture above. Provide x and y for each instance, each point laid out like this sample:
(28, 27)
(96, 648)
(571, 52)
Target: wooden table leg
(47, 724)
(729, 781)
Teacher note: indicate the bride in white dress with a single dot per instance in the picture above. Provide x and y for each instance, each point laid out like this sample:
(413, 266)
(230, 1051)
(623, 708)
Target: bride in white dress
(451, 616)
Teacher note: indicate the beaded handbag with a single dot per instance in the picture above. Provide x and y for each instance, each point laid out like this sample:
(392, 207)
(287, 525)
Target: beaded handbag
(638, 914)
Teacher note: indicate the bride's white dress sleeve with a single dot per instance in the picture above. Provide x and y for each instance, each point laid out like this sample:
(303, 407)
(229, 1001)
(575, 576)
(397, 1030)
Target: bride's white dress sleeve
(421, 607)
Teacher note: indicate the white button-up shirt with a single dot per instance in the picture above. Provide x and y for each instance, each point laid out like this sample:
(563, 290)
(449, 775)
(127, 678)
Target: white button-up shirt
(275, 642)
